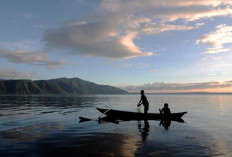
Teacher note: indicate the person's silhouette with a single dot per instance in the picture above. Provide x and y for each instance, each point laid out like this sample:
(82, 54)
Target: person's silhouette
(144, 101)
(166, 116)
(166, 112)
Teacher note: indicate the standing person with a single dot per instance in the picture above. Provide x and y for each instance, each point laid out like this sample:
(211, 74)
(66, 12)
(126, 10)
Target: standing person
(144, 101)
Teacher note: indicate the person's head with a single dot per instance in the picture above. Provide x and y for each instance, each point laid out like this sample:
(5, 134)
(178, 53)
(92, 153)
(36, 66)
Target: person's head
(142, 92)
(166, 105)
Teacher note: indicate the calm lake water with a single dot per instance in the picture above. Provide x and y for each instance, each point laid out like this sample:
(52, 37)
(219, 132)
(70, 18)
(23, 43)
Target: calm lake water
(49, 126)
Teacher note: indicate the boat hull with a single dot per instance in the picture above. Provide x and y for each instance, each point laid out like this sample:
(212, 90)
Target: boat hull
(125, 115)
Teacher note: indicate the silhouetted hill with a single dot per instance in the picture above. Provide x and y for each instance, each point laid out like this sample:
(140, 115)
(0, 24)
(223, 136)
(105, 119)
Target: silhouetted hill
(56, 86)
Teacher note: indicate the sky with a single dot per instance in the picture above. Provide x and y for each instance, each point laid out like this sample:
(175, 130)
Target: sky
(155, 45)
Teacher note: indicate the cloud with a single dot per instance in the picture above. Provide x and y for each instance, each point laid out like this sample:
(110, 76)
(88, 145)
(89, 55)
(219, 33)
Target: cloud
(27, 45)
(137, 65)
(112, 31)
(171, 10)
(161, 86)
(154, 28)
(12, 73)
(212, 74)
(222, 65)
(193, 14)
(211, 58)
(204, 2)
(36, 58)
(214, 64)
(101, 38)
(217, 39)
(153, 70)
(29, 16)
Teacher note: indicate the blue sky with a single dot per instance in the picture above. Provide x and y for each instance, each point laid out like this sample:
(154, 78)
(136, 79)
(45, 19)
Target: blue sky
(171, 44)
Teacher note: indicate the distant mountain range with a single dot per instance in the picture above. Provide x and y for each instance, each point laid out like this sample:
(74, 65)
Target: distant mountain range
(56, 86)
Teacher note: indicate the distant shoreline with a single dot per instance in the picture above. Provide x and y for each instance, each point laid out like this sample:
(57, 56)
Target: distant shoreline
(194, 93)
(186, 93)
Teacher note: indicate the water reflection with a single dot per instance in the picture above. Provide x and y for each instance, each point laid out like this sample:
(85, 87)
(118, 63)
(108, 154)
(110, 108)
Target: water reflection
(47, 126)
(26, 106)
(30, 132)
(165, 123)
(48, 100)
(144, 131)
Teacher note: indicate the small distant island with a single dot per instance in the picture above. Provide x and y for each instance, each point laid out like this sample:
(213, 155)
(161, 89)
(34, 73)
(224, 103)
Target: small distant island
(56, 86)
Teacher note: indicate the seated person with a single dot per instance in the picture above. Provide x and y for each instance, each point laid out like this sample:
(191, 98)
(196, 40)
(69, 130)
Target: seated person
(166, 113)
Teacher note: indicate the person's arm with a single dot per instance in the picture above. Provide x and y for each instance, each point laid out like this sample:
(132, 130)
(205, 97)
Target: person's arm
(161, 111)
(140, 102)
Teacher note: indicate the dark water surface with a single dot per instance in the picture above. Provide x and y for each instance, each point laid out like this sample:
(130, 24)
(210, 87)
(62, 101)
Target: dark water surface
(49, 126)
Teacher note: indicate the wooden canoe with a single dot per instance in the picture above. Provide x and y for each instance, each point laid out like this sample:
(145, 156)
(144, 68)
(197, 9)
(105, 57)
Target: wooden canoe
(126, 115)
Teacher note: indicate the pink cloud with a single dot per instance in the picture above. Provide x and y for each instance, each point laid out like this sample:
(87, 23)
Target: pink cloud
(127, 41)
(217, 39)
(36, 58)
(111, 34)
